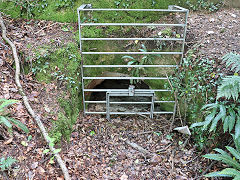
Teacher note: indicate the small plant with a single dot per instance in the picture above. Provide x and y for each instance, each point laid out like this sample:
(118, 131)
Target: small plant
(225, 110)
(146, 59)
(6, 163)
(204, 4)
(62, 128)
(7, 121)
(233, 162)
(194, 82)
(30, 7)
(51, 144)
(229, 88)
(232, 60)
(203, 138)
(65, 3)
(123, 3)
(38, 65)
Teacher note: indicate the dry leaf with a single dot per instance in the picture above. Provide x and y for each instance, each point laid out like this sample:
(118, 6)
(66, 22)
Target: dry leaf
(8, 141)
(124, 177)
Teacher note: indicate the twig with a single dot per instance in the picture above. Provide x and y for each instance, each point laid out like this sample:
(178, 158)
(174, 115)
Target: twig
(176, 102)
(205, 172)
(172, 163)
(48, 26)
(137, 147)
(146, 132)
(164, 149)
(26, 102)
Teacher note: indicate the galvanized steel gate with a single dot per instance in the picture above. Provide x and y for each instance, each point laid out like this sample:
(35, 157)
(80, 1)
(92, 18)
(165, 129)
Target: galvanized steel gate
(131, 91)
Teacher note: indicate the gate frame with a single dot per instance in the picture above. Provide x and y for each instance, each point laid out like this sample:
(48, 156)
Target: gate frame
(125, 92)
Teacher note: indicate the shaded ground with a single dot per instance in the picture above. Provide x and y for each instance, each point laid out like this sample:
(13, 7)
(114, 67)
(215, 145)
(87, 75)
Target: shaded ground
(96, 149)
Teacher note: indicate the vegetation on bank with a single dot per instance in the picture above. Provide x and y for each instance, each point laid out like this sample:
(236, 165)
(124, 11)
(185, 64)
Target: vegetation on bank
(65, 10)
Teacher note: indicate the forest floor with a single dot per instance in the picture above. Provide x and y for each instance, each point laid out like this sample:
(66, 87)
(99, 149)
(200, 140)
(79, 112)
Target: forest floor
(97, 149)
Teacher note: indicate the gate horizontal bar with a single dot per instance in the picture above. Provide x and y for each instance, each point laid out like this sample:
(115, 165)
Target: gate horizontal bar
(163, 112)
(103, 102)
(130, 24)
(125, 90)
(150, 10)
(127, 94)
(112, 66)
(117, 78)
(141, 39)
(132, 52)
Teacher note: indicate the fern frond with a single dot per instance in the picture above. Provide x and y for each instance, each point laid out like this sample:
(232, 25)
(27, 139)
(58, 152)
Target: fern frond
(230, 87)
(233, 60)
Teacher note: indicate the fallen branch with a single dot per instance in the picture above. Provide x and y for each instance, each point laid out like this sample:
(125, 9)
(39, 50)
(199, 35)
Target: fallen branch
(137, 147)
(26, 102)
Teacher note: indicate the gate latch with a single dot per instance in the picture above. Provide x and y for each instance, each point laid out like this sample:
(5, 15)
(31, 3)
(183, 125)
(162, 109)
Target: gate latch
(131, 90)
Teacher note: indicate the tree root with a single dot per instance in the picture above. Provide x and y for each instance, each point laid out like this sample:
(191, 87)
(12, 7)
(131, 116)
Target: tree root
(26, 102)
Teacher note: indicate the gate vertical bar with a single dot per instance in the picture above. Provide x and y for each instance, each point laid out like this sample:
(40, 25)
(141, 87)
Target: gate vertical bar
(152, 107)
(81, 54)
(184, 34)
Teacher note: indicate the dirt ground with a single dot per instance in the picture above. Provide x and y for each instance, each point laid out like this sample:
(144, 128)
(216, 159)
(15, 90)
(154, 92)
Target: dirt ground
(98, 148)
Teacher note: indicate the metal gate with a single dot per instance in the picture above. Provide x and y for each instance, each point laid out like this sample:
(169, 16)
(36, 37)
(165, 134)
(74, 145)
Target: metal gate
(131, 91)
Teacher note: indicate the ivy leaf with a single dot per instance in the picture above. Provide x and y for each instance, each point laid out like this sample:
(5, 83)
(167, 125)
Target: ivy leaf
(56, 151)
(46, 151)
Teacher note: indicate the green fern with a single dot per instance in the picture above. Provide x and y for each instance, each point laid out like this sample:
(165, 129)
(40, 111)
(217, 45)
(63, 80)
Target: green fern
(230, 88)
(233, 162)
(233, 60)
(229, 116)
(7, 121)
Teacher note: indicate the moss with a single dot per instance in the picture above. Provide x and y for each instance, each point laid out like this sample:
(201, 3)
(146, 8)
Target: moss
(63, 66)
(51, 12)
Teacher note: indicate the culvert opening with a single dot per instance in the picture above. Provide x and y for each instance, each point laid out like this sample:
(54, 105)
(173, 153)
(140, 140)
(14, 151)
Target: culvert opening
(118, 107)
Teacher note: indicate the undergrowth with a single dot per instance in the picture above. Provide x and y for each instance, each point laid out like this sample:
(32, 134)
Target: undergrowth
(62, 66)
(65, 10)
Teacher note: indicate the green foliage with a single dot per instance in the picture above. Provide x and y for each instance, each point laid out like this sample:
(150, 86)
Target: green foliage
(65, 10)
(228, 114)
(30, 7)
(232, 160)
(7, 121)
(51, 144)
(40, 63)
(6, 163)
(229, 88)
(65, 3)
(203, 138)
(194, 81)
(232, 61)
(143, 60)
(204, 4)
(62, 128)
(64, 68)
(226, 111)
